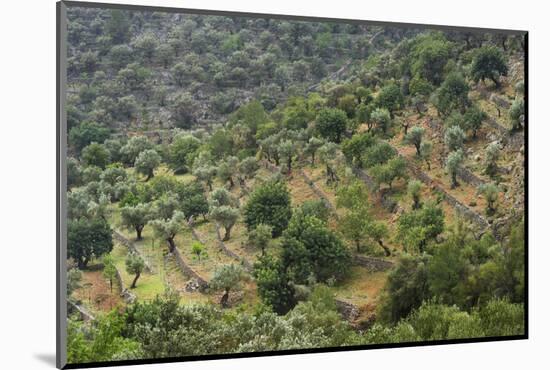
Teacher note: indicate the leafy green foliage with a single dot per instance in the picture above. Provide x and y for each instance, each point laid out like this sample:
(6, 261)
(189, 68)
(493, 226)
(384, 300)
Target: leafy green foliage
(488, 63)
(490, 192)
(268, 204)
(88, 238)
(492, 154)
(430, 55)
(354, 147)
(146, 163)
(452, 95)
(414, 188)
(405, 289)
(109, 269)
(260, 237)
(390, 98)
(183, 151)
(310, 249)
(86, 133)
(454, 160)
(517, 110)
(418, 227)
(331, 124)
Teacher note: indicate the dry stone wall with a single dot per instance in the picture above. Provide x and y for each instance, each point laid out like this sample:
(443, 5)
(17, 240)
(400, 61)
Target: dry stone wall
(83, 313)
(349, 311)
(132, 248)
(188, 271)
(373, 264)
(319, 193)
(247, 265)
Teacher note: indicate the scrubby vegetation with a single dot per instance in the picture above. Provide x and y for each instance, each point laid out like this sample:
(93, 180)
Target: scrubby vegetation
(247, 184)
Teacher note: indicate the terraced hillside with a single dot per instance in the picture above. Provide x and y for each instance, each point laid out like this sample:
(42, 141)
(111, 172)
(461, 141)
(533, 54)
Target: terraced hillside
(246, 184)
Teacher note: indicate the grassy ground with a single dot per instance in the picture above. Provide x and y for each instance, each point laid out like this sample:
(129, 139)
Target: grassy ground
(361, 288)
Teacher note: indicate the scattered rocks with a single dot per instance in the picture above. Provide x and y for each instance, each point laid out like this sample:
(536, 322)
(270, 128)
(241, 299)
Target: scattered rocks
(373, 264)
(192, 286)
(500, 101)
(128, 296)
(349, 311)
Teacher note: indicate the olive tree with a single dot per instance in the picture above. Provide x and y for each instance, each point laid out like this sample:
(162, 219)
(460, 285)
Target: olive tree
(488, 63)
(328, 154)
(426, 149)
(226, 216)
(184, 110)
(222, 197)
(146, 163)
(312, 146)
(146, 44)
(134, 266)
(133, 147)
(381, 119)
(136, 217)
(492, 154)
(355, 147)
(473, 118)
(454, 160)
(452, 95)
(516, 112)
(260, 236)
(414, 137)
(490, 192)
(165, 54)
(388, 172)
(227, 278)
(227, 169)
(182, 152)
(167, 229)
(247, 168)
(287, 150)
(205, 174)
(418, 227)
(413, 189)
(390, 98)
(454, 138)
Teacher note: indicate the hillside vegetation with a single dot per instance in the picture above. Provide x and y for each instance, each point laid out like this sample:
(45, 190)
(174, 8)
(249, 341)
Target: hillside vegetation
(247, 184)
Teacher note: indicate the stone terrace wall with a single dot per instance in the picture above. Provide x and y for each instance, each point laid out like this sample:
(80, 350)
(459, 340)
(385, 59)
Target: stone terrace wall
(515, 140)
(349, 311)
(84, 314)
(371, 185)
(464, 174)
(373, 264)
(126, 294)
(461, 208)
(132, 248)
(188, 271)
(247, 265)
(319, 193)
(468, 177)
